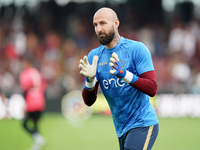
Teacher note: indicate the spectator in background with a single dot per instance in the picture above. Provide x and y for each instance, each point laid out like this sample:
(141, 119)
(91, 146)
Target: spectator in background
(33, 86)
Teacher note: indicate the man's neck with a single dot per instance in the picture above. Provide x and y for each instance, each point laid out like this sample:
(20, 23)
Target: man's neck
(114, 42)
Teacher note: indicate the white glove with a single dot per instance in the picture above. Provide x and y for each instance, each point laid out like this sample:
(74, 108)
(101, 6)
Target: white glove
(87, 70)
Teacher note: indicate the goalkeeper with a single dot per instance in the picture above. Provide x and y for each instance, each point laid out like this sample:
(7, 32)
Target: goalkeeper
(124, 70)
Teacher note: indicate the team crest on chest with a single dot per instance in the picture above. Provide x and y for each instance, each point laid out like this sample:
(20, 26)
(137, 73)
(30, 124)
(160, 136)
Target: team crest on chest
(123, 63)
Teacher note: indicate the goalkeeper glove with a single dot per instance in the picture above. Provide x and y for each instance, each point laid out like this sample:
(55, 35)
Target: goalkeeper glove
(87, 70)
(119, 71)
(115, 64)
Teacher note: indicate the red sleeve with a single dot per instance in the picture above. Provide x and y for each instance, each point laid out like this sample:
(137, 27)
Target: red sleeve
(146, 83)
(89, 97)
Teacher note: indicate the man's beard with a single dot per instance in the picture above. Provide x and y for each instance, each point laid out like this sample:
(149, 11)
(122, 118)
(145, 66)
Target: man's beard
(107, 39)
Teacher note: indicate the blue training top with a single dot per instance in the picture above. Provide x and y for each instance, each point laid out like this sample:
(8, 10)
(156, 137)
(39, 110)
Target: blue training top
(130, 108)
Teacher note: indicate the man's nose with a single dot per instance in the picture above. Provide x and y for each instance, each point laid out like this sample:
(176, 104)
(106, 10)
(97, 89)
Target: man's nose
(99, 29)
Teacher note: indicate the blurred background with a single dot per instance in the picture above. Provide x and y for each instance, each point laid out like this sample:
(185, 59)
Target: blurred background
(56, 34)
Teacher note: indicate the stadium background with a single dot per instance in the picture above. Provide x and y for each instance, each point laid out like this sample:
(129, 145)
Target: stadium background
(55, 34)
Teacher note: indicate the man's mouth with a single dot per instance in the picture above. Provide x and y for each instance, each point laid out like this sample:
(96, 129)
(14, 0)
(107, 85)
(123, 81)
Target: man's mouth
(101, 35)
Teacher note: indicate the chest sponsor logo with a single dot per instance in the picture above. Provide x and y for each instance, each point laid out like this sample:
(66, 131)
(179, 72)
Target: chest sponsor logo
(116, 82)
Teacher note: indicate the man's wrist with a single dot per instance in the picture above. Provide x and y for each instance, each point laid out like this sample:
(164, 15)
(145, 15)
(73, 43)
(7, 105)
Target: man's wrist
(90, 85)
(130, 77)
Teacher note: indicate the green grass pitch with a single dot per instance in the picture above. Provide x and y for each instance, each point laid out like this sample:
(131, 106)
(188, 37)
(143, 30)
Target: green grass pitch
(96, 133)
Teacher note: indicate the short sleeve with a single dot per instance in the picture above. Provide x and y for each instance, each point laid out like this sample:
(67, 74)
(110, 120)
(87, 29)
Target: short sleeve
(142, 59)
(26, 81)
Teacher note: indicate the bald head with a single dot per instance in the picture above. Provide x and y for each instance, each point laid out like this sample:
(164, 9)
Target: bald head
(106, 12)
(107, 16)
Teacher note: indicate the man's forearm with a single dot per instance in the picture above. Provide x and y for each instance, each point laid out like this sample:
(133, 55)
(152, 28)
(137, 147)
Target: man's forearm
(146, 83)
(89, 96)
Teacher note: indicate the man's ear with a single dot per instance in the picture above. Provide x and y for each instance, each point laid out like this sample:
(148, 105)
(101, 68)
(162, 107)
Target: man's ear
(116, 25)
